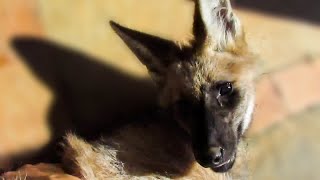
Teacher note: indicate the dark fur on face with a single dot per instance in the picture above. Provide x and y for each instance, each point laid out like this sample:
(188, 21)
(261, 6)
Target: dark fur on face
(210, 125)
(208, 85)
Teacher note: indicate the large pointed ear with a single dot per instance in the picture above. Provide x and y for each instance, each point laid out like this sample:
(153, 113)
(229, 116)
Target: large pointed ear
(154, 52)
(216, 25)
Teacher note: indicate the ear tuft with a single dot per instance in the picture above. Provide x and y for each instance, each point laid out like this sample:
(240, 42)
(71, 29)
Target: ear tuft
(221, 26)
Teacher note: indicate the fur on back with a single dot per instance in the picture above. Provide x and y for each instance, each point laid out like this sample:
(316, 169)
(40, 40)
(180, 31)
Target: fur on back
(149, 151)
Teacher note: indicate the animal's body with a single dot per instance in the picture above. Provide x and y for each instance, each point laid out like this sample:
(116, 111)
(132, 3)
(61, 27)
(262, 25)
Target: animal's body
(148, 149)
(206, 90)
(206, 93)
(154, 147)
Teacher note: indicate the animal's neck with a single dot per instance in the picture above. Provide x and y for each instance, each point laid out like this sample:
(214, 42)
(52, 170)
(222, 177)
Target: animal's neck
(154, 143)
(151, 146)
(149, 115)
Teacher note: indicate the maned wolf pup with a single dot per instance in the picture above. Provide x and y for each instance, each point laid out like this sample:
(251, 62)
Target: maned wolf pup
(206, 90)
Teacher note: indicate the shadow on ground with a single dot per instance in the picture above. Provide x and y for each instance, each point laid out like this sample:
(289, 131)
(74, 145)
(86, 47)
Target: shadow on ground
(90, 97)
(300, 9)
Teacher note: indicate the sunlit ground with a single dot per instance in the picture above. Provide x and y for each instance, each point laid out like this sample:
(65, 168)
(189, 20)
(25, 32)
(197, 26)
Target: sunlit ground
(283, 138)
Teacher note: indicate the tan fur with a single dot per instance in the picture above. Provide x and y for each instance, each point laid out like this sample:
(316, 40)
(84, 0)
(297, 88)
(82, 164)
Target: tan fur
(156, 150)
(222, 56)
(160, 149)
(210, 67)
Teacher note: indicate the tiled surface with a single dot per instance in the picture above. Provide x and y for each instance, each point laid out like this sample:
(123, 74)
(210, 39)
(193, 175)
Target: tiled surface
(280, 42)
(316, 65)
(288, 151)
(17, 17)
(270, 107)
(285, 93)
(86, 25)
(24, 101)
(3, 60)
(299, 86)
(290, 86)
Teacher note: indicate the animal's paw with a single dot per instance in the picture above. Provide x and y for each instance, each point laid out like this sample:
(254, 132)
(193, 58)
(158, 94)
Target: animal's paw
(38, 172)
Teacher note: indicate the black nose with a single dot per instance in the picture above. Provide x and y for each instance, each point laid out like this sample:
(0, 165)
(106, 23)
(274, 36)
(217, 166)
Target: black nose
(217, 154)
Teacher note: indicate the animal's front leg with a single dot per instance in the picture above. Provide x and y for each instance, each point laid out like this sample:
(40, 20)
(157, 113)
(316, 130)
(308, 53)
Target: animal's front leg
(38, 172)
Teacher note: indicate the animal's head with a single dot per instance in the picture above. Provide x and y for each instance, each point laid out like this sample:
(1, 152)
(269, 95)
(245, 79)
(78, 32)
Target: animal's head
(208, 84)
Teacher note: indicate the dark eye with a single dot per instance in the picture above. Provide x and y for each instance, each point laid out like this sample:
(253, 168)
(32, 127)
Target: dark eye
(225, 89)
